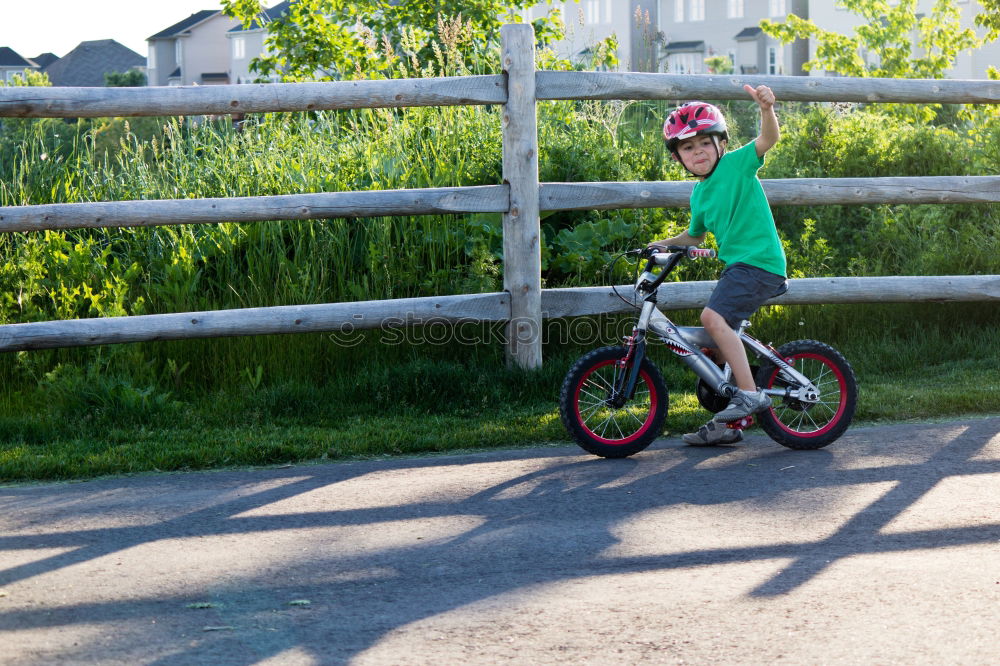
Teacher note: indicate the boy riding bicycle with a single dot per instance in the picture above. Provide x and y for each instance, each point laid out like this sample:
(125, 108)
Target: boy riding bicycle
(729, 201)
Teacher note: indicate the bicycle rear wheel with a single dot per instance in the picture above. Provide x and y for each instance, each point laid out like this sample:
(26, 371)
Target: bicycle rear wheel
(595, 423)
(804, 425)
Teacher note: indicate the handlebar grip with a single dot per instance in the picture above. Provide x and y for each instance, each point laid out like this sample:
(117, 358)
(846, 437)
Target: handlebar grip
(690, 251)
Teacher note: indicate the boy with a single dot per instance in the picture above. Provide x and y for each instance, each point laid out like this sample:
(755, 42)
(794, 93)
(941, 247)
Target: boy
(729, 201)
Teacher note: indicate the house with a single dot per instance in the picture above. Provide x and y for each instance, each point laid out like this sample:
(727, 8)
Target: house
(677, 36)
(12, 64)
(86, 65)
(245, 44)
(44, 60)
(192, 51)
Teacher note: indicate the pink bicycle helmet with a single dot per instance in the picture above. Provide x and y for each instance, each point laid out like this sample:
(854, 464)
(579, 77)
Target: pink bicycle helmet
(691, 119)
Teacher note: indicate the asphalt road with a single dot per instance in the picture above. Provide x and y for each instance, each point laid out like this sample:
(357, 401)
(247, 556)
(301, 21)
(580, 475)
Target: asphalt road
(883, 548)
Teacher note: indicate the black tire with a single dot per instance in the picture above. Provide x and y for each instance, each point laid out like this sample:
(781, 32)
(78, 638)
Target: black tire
(800, 425)
(600, 428)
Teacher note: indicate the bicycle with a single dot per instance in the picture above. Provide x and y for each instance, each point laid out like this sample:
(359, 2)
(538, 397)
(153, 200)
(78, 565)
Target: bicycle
(614, 400)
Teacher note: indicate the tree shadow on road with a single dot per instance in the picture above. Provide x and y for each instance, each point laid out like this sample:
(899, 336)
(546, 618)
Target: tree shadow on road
(558, 521)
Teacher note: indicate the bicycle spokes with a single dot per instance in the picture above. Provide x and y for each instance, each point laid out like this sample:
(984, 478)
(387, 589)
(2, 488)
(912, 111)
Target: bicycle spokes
(598, 394)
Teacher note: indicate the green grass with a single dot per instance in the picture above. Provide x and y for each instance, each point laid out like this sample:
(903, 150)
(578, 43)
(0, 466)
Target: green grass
(79, 424)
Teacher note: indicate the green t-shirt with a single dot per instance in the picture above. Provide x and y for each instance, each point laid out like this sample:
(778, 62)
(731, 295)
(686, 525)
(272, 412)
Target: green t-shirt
(731, 204)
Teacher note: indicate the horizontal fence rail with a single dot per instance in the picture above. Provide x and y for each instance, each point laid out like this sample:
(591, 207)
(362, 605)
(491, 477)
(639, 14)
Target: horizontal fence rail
(780, 192)
(348, 318)
(583, 301)
(487, 199)
(158, 212)
(636, 86)
(43, 102)
(321, 318)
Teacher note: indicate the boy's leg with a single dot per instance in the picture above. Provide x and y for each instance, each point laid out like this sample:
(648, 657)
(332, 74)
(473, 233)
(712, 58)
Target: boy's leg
(740, 291)
(730, 347)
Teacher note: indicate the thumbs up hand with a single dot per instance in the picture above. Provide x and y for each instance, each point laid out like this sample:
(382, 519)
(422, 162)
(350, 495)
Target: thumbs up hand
(762, 95)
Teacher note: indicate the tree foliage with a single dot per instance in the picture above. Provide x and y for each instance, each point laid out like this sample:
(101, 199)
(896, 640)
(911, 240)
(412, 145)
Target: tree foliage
(341, 39)
(29, 78)
(130, 79)
(719, 64)
(888, 34)
(989, 18)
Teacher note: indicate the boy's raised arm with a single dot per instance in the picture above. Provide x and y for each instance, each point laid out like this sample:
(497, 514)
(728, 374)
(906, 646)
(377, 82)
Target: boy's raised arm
(769, 132)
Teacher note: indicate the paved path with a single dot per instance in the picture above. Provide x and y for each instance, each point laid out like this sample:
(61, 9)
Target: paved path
(883, 548)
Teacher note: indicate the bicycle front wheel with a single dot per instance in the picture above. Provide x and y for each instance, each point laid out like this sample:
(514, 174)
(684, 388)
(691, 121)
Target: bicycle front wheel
(598, 423)
(810, 425)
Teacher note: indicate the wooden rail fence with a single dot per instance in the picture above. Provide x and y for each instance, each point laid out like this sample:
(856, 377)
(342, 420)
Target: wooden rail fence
(523, 303)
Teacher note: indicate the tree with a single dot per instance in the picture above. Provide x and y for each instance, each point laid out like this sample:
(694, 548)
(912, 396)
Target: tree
(719, 64)
(989, 18)
(29, 78)
(887, 33)
(130, 79)
(338, 39)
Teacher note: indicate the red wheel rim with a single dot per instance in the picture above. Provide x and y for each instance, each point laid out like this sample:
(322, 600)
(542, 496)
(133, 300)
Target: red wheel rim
(644, 378)
(841, 382)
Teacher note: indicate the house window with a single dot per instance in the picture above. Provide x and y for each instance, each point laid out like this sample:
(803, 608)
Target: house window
(735, 8)
(697, 10)
(678, 11)
(178, 51)
(593, 11)
(777, 7)
(685, 63)
(239, 48)
(775, 64)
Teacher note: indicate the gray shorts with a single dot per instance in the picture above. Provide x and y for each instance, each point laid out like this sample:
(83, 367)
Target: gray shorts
(742, 289)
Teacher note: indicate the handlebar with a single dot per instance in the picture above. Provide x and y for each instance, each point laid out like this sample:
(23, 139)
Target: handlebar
(690, 251)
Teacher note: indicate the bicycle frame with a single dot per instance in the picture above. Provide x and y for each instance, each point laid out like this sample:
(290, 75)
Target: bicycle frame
(688, 343)
(691, 344)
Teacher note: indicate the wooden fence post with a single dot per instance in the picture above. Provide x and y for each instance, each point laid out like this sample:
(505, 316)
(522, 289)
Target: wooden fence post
(521, 227)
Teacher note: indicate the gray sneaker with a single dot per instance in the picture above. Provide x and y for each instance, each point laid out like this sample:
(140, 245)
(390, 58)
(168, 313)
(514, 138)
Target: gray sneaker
(711, 434)
(744, 403)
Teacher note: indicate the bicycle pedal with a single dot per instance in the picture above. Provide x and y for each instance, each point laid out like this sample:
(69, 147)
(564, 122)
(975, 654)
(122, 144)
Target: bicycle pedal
(740, 424)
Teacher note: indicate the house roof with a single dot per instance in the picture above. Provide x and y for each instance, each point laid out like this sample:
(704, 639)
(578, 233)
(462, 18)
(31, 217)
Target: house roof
(749, 33)
(181, 27)
(11, 58)
(45, 59)
(681, 47)
(87, 64)
(265, 16)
